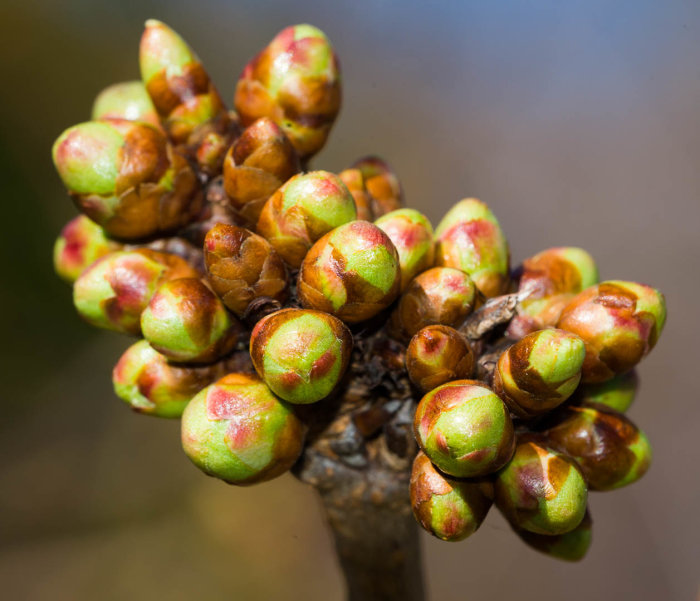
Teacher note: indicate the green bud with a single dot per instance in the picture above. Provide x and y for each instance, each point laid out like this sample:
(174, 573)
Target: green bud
(352, 272)
(125, 177)
(620, 323)
(189, 106)
(238, 431)
(540, 371)
(308, 206)
(464, 428)
(469, 238)
(610, 450)
(113, 292)
(412, 235)
(570, 546)
(448, 508)
(300, 354)
(541, 491)
(185, 321)
(617, 393)
(80, 244)
(151, 385)
(87, 157)
(127, 100)
(437, 355)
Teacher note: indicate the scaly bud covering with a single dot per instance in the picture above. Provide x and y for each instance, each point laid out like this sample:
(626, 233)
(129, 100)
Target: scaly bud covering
(441, 295)
(541, 491)
(469, 238)
(610, 450)
(448, 508)
(151, 385)
(126, 178)
(300, 354)
(237, 430)
(295, 81)
(381, 183)
(242, 266)
(113, 292)
(620, 323)
(128, 100)
(185, 321)
(258, 163)
(436, 355)
(617, 393)
(305, 208)
(412, 235)
(539, 372)
(570, 546)
(189, 106)
(353, 179)
(80, 244)
(551, 279)
(464, 428)
(352, 272)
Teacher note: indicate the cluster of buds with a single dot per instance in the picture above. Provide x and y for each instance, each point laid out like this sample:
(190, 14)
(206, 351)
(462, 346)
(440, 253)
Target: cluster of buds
(277, 305)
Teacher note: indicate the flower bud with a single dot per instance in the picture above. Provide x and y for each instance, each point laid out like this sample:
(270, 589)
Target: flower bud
(128, 100)
(617, 393)
(151, 385)
(464, 428)
(237, 430)
(187, 102)
(549, 280)
(620, 323)
(242, 266)
(469, 238)
(448, 508)
(381, 183)
(80, 244)
(113, 292)
(301, 355)
(185, 321)
(441, 295)
(541, 491)
(126, 178)
(352, 272)
(295, 81)
(570, 546)
(354, 181)
(539, 372)
(436, 355)
(610, 450)
(412, 235)
(305, 208)
(258, 163)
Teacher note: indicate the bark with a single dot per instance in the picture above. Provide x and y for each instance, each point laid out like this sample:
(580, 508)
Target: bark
(359, 459)
(360, 450)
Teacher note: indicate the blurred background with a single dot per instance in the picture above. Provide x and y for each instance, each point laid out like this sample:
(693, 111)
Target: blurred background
(577, 122)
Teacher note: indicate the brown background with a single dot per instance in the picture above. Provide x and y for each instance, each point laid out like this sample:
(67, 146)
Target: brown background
(577, 122)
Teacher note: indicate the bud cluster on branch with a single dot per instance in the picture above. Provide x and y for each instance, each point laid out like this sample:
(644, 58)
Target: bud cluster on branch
(283, 312)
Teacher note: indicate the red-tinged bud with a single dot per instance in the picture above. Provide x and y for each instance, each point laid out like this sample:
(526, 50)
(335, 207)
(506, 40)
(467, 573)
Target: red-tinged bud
(620, 323)
(437, 355)
(295, 81)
